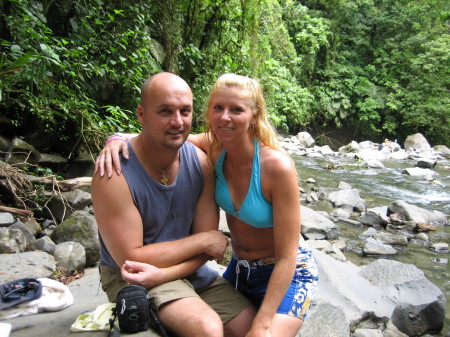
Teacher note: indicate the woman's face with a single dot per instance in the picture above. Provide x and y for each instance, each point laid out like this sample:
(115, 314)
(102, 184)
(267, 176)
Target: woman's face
(230, 114)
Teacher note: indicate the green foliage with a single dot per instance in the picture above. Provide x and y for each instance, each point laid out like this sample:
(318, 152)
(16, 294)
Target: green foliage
(380, 68)
(64, 81)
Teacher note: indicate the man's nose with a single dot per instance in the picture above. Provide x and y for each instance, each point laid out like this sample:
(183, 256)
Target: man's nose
(176, 119)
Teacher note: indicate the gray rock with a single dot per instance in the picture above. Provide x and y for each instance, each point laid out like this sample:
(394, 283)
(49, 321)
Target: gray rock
(80, 227)
(348, 197)
(6, 219)
(352, 147)
(392, 239)
(82, 166)
(45, 244)
(420, 305)
(33, 226)
(368, 333)
(341, 212)
(71, 256)
(369, 233)
(420, 172)
(325, 150)
(4, 143)
(375, 216)
(422, 236)
(417, 214)
(440, 247)
(55, 206)
(417, 143)
(305, 139)
(426, 162)
(442, 150)
(12, 240)
(20, 152)
(374, 163)
(54, 162)
(78, 199)
(375, 247)
(334, 252)
(344, 186)
(325, 319)
(28, 264)
(341, 286)
(316, 226)
(25, 230)
(318, 244)
(392, 331)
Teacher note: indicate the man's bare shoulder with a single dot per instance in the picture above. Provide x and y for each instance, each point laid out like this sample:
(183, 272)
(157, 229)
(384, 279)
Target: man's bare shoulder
(106, 183)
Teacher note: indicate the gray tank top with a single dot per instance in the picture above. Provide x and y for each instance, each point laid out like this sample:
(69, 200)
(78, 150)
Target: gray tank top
(167, 211)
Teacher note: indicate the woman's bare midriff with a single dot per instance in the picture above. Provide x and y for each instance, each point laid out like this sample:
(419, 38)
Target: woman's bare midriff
(250, 243)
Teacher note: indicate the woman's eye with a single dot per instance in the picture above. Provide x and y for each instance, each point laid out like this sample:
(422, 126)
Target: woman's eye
(217, 107)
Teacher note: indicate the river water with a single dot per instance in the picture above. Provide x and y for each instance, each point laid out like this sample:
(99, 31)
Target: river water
(380, 187)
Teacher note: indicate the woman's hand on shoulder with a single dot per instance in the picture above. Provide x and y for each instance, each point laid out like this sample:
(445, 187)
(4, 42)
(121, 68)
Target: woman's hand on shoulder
(108, 157)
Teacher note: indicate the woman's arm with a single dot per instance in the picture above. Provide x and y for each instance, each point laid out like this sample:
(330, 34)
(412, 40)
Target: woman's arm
(283, 187)
(200, 141)
(108, 157)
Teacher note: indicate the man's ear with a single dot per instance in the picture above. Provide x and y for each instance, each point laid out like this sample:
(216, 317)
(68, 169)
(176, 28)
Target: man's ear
(140, 113)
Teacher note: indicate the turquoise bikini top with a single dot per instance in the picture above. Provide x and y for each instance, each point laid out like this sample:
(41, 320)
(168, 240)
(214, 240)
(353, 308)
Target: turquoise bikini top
(255, 210)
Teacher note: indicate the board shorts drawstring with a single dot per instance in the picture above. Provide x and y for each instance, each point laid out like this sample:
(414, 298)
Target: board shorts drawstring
(245, 264)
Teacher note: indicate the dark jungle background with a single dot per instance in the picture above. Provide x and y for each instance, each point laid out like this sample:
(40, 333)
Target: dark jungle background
(366, 69)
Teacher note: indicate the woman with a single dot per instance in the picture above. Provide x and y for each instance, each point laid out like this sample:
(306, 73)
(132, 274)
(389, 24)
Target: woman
(256, 185)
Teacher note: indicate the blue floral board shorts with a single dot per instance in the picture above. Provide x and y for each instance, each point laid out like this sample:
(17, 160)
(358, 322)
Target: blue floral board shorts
(252, 278)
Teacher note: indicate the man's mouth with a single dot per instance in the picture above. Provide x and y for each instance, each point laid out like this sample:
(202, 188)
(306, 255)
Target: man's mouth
(175, 133)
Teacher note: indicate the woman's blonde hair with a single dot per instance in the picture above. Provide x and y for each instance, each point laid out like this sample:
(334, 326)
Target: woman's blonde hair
(263, 130)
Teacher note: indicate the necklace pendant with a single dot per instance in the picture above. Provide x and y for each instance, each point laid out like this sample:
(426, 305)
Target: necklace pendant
(164, 180)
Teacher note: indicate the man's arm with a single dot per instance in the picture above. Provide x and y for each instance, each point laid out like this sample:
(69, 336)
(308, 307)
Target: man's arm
(121, 227)
(207, 211)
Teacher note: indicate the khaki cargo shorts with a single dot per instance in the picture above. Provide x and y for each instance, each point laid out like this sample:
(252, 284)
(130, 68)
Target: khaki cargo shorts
(219, 295)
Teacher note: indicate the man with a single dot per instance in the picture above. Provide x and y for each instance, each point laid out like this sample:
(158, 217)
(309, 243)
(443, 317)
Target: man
(161, 212)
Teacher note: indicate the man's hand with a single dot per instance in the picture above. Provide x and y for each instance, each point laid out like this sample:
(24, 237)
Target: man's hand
(217, 243)
(143, 274)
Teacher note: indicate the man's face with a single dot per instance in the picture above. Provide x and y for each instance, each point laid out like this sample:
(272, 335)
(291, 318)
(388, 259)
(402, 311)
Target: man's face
(166, 113)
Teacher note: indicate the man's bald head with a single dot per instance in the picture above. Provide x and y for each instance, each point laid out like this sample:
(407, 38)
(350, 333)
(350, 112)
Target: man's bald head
(164, 79)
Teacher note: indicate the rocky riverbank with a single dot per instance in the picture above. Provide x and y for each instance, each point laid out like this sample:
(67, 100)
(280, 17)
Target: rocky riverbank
(383, 298)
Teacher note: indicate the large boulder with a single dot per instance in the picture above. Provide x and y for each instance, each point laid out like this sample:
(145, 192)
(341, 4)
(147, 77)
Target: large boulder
(71, 256)
(80, 227)
(22, 154)
(27, 264)
(356, 300)
(375, 216)
(348, 197)
(316, 226)
(417, 143)
(419, 304)
(305, 139)
(442, 150)
(417, 214)
(12, 240)
(375, 296)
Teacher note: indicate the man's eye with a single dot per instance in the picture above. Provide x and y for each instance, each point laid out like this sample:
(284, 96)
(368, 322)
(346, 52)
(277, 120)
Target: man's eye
(186, 112)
